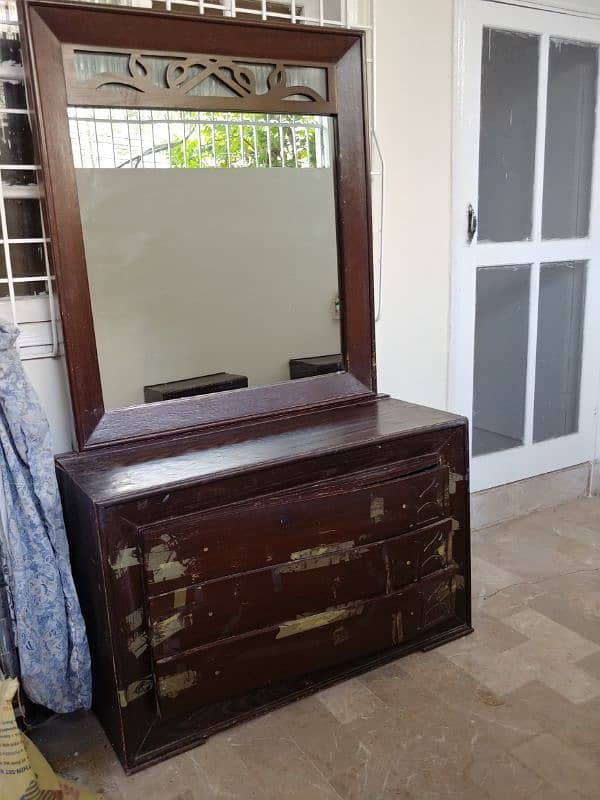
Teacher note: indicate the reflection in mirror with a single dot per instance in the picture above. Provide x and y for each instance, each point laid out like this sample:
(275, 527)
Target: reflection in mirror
(211, 247)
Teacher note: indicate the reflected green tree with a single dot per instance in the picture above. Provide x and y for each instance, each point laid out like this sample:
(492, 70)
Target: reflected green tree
(230, 141)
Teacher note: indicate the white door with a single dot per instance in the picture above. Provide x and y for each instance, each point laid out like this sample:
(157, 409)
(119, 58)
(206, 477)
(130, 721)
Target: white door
(525, 346)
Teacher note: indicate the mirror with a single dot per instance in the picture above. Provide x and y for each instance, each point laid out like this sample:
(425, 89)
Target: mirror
(211, 248)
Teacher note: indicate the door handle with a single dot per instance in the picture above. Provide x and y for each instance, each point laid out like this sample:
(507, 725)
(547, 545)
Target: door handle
(471, 224)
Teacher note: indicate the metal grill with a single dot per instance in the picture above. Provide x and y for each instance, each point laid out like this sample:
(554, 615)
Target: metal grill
(118, 138)
(27, 294)
(26, 280)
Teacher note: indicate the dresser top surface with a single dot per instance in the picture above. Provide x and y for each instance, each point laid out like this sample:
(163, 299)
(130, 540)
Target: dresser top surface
(115, 474)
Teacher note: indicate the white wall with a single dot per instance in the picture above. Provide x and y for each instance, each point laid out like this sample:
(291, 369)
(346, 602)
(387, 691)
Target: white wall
(414, 118)
(48, 378)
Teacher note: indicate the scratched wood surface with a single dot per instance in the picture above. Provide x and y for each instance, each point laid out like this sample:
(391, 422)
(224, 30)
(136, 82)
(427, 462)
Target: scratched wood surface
(324, 578)
(303, 645)
(280, 528)
(120, 473)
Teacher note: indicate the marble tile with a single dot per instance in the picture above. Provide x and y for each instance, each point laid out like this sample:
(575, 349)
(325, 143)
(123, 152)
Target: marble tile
(495, 774)
(283, 770)
(371, 780)
(350, 701)
(550, 637)
(175, 779)
(576, 606)
(591, 665)
(559, 765)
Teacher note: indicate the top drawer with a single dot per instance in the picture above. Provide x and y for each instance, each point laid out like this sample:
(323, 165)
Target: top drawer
(291, 525)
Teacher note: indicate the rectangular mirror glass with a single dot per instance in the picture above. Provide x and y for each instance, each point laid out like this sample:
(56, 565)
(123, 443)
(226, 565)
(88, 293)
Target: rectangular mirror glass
(211, 248)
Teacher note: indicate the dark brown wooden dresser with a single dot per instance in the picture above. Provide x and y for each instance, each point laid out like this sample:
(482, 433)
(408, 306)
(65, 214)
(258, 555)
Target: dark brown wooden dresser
(233, 551)
(222, 574)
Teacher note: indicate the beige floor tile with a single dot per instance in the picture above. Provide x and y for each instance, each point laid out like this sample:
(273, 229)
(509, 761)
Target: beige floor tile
(591, 665)
(332, 747)
(350, 701)
(222, 773)
(176, 779)
(487, 577)
(494, 775)
(370, 780)
(284, 771)
(547, 792)
(574, 603)
(491, 635)
(560, 765)
(550, 636)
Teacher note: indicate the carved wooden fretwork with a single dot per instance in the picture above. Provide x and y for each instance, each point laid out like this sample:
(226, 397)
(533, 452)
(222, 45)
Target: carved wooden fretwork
(178, 85)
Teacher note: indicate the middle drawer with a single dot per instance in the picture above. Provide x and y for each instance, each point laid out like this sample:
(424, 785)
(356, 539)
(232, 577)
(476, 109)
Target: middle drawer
(315, 580)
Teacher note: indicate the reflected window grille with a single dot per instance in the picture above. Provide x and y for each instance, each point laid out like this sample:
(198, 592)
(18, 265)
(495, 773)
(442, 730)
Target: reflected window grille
(118, 138)
(27, 294)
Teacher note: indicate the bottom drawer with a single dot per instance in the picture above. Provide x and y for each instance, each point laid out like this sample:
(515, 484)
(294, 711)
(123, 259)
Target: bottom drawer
(303, 645)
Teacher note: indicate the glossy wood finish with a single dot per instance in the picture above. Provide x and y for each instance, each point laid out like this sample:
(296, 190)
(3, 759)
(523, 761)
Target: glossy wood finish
(49, 28)
(227, 572)
(288, 524)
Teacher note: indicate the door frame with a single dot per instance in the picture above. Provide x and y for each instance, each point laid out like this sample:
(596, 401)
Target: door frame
(465, 130)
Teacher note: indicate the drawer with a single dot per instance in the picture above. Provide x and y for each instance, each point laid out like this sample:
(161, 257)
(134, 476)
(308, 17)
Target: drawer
(286, 526)
(303, 645)
(205, 612)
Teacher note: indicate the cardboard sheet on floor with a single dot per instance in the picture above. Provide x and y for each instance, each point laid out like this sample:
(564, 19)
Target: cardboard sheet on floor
(24, 772)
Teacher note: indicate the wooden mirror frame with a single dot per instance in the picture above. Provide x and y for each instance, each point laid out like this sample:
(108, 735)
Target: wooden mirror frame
(50, 30)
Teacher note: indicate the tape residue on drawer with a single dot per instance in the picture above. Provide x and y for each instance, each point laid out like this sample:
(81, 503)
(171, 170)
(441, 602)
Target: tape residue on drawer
(322, 557)
(172, 685)
(166, 628)
(163, 565)
(309, 623)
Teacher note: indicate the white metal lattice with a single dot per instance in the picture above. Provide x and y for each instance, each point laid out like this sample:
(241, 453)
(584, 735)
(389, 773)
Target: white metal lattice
(26, 280)
(133, 138)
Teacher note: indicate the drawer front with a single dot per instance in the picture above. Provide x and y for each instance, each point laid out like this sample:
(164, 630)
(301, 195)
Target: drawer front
(188, 617)
(303, 645)
(284, 527)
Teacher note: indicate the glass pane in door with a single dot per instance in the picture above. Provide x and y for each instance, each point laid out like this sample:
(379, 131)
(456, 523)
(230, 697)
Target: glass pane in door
(509, 90)
(500, 370)
(570, 128)
(559, 349)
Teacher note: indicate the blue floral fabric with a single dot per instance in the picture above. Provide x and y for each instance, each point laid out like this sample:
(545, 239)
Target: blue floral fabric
(50, 633)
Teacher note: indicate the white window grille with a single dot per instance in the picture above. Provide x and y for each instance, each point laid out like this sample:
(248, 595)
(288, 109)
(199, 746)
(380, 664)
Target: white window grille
(131, 138)
(27, 294)
(26, 282)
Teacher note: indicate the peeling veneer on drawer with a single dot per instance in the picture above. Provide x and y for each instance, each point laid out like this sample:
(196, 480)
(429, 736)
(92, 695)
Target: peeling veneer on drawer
(162, 563)
(305, 644)
(309, 623)
(135, 690)
(170, 626)
(239, 603)
(124, 559)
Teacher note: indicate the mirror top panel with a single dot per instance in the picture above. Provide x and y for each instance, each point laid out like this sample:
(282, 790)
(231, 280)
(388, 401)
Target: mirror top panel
(211, 249)
(210, 82)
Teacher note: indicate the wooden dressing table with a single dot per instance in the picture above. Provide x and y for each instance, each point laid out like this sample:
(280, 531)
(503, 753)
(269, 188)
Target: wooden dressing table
(235, 552)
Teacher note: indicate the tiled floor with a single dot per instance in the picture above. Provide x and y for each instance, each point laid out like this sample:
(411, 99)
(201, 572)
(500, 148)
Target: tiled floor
(510, 712)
